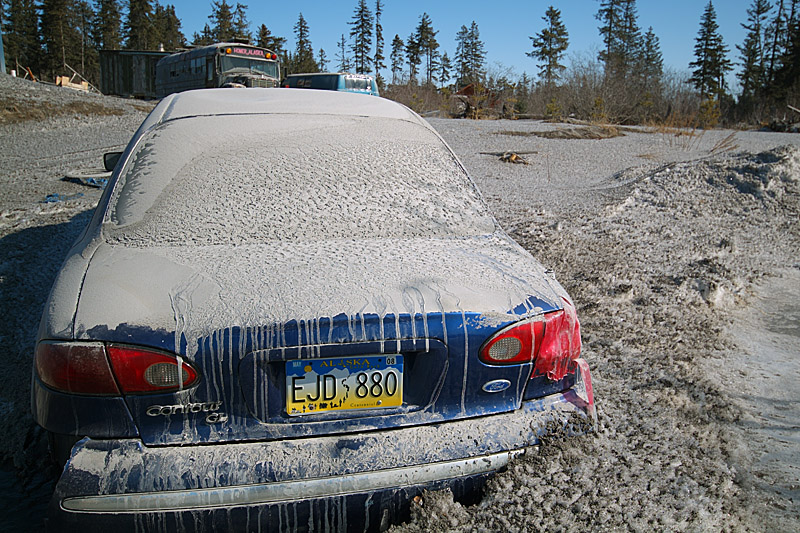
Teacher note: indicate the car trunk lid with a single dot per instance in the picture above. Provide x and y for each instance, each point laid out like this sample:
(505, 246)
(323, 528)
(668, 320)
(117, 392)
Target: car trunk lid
(242, 316)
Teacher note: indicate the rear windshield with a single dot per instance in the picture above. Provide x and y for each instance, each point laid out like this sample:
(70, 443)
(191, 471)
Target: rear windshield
(260, 178)
(329, 82)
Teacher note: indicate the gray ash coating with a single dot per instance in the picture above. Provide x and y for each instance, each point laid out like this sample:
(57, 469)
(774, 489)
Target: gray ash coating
(659, 258)
(659, 255)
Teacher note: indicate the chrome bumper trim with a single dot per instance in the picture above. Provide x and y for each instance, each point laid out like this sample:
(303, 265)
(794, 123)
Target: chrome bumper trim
(281, 492)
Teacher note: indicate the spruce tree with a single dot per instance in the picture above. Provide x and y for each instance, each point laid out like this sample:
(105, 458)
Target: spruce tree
(203, 38)
(221, 19)
(425, 39)
(21, 34)
(167, 28)
(413, 56)
(86, 61)
(622, 38)
(549, 47)
(361, 32)
(241, 26)
(462, 56)
(396, 57)
(470, 55)
(108, 25)
(303, 60)
(630, 37)
(753, 74)
(776, 36)
(522, 93)
(265, 39)
(477, 51)
(711, 64)
(651, 62)
(787, 75)
(342, 57)
(610, 16)
(61, 38)
(138, 27)
(379, 57)
(323, 60)
(445, 67)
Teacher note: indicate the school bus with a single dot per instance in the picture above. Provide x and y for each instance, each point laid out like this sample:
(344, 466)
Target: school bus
(217, 65)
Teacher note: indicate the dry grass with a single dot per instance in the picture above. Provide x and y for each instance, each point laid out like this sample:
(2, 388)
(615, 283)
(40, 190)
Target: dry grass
(725, 145)
(144, 107)
(581, 132)
(14, 111)
(680, 131)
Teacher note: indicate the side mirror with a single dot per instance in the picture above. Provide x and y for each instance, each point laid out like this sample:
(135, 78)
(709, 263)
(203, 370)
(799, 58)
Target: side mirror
(110, 160)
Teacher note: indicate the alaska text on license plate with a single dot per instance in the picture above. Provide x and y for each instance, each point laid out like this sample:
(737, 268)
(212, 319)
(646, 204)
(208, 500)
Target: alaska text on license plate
(343, 383)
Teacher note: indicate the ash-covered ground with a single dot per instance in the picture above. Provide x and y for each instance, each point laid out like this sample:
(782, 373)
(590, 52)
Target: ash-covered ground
(679, 248)
(682, 255)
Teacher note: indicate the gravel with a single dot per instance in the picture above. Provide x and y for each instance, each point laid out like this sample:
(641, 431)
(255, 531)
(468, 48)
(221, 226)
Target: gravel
(680, 249)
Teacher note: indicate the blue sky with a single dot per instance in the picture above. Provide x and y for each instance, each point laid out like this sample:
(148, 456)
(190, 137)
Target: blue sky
(505, 25)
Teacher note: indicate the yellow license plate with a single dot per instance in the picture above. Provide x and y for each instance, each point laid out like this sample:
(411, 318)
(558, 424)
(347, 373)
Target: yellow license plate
(344, 383)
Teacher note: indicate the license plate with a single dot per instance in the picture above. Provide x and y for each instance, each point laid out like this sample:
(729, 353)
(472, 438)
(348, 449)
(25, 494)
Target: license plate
(344, 383)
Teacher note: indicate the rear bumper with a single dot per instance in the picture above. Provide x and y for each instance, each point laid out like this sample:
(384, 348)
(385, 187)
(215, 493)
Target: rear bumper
(334, 482)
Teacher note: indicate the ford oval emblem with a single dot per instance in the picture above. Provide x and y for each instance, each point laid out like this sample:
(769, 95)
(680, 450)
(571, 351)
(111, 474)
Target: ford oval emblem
(498, 385)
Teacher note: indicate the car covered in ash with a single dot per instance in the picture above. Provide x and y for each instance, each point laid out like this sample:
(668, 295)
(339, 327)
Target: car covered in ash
(293, 310)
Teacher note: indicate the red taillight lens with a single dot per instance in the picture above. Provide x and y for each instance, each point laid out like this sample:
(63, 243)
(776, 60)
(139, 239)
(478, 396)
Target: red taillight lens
(140, 370)
(80, 368)
(561, 345)
(517, 343)
(83, 368)
(553, 342)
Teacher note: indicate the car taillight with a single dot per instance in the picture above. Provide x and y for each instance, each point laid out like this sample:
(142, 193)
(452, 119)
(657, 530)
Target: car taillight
(517, 343)
(140, 370)
(77, 367)
(552, 342)
(93, 368)
(561, 345)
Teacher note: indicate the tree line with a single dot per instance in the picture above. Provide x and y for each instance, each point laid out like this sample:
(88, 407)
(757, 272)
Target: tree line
(45, 36)
(626, 82)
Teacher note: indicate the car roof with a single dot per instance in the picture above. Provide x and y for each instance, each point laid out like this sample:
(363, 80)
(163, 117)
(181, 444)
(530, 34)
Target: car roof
(348, 74)
(208, 102)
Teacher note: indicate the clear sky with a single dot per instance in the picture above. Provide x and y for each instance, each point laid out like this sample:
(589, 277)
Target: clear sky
(505, 25)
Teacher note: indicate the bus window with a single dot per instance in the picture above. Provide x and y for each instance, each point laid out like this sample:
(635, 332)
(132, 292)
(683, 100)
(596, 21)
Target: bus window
(327, 82)
(357, 84)
(228, 63)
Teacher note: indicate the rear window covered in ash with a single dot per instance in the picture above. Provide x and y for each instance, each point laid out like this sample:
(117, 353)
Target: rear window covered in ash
(259, 178)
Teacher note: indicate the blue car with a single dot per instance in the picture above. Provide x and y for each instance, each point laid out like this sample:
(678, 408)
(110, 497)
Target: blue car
(293, 310)
(333, 81)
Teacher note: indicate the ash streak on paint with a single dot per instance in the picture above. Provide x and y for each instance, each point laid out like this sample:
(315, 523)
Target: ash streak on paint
(464, 325)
